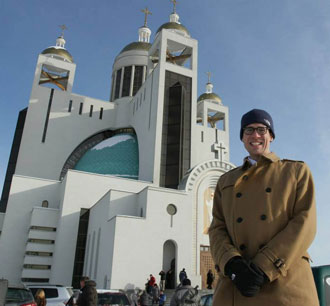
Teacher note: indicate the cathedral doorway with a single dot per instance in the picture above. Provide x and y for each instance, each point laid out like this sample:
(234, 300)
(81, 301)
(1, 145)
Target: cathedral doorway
(207, 264)
(169, 263)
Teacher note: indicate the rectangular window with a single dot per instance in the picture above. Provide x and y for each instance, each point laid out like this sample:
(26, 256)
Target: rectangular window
(49, 292)
(118, 79)
(43, 228)
(112, 86)
(34, 280)
(101, 113)
(70, 106)
(37, 267)
(42, 241)
(126, 81)
(35, 253)
(138, 74)
(202, 136)
(47, 115)
(81, 108)
(91, 111)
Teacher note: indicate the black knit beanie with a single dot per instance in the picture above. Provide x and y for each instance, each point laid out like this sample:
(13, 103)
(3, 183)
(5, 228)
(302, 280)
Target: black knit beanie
(257, 116)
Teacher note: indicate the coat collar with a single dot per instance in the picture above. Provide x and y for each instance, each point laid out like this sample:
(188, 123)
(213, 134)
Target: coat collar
(270, 157)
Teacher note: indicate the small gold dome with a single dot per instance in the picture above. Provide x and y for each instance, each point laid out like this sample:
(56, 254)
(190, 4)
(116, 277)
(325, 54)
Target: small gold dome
(60, 52)
(209, 96)
(174, 26)
(138, 45)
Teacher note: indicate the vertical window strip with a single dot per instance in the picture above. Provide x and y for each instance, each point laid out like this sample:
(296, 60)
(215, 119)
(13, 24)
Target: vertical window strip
(70, 106)
(202, 136)
(91, 111)
(101, 113)
(81, 108)
(47, 115)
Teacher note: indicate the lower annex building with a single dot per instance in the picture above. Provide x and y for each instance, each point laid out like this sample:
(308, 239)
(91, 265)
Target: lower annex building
(100, 188)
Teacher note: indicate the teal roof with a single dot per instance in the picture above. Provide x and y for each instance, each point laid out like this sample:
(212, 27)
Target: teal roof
(117, 155)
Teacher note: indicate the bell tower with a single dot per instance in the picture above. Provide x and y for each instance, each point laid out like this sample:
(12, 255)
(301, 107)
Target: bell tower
(173, 58)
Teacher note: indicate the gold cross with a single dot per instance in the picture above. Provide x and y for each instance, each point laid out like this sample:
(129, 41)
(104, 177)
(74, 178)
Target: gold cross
(146, 13)
(208, 77)
(63, 27)
(174, 5)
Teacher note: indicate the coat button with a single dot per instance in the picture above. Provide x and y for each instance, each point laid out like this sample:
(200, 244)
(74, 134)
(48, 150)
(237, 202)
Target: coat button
(238, 195)
(268, 189)
(242, 247)
(245, 177)
(239, 220)
(263, 217)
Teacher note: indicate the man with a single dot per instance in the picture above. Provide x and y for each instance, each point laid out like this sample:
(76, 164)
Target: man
(182, 275)
(186, 295)
(162, 280)
(209, 279)
(264, 220)
(88, 295)
(146, 299)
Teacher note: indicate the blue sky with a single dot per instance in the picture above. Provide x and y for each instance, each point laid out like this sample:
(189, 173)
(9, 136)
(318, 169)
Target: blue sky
(267, 54)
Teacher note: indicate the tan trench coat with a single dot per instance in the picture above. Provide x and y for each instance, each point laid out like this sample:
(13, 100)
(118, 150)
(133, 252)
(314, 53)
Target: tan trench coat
(266, 213)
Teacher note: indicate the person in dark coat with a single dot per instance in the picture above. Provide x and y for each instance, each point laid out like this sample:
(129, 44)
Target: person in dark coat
(162, 280)
(182, 275)
(88, 295)
(146, 299)
(209, 279)
(155, 293)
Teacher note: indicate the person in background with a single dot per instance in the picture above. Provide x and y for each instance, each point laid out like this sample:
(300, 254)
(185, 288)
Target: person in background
(264, 220)
(88, 295)
(162, 280)
(162, 298)
(182, 275)
(151, 283)
(40, 298)
(155, 293)
(186, 295)
(209, 279)
(145, 299)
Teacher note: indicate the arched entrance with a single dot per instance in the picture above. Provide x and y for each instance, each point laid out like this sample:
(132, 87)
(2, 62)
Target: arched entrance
(169, 263)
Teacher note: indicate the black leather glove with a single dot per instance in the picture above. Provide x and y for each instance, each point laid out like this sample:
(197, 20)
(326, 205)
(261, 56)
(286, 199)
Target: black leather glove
(247, 277)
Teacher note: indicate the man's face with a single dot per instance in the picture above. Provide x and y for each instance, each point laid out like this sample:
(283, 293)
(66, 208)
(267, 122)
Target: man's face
(82, 284)
(257, 144)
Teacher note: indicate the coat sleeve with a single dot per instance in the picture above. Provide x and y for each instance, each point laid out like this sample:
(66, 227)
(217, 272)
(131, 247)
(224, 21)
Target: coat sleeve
(293, 241)
(222, 248)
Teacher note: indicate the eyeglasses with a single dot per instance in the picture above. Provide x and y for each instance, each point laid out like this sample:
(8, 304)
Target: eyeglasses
(261, 130)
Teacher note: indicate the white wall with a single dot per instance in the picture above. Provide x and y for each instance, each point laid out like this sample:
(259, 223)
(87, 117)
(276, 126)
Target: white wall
(25, 194)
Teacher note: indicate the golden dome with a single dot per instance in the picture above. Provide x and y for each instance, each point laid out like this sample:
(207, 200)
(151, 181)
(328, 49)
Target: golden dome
(174, 26)
(138, 45)
(60, 52)
(209, 96)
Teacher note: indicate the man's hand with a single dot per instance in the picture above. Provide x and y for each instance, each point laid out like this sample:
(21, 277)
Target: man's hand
(247, 277)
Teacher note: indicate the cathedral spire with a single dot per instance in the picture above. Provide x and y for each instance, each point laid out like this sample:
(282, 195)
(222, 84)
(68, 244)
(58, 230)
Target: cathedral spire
(144, 31)
(174, 17)
(60, 41)
(209, 85)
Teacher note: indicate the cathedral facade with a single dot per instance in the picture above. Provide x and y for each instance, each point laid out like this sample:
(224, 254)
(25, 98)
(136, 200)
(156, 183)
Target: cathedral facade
(119, 189)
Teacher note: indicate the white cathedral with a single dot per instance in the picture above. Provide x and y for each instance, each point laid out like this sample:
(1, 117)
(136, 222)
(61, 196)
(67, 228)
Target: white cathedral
(119, 189)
